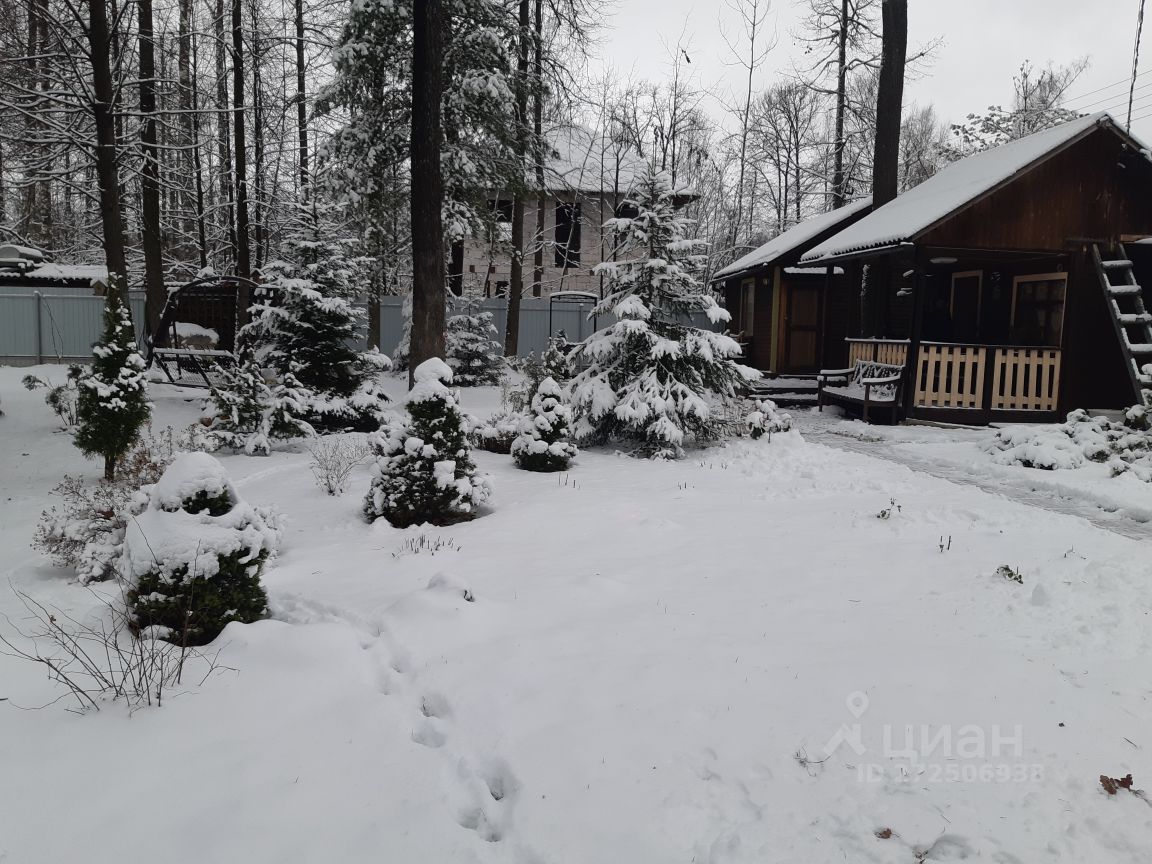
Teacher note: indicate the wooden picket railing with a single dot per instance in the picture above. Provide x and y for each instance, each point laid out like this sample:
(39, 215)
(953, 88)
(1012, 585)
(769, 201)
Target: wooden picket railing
(950, 376)
(987, 378)
(1026, 379)
(893, 351)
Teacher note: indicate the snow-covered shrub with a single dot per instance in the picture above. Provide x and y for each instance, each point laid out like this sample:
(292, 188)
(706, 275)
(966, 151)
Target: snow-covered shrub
(249, 412)
(651, 378)
(424, 470)
(543, 443)
(556, 357)
(61, 398)
(304, 325)
(474, 354)
(497, 433)
(333, 460)
(87, 527)
(112, 402)
(1081, 438)
(767, 419)
(192, 558)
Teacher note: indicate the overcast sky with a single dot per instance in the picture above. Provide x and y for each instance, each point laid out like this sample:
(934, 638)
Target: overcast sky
(984, 42)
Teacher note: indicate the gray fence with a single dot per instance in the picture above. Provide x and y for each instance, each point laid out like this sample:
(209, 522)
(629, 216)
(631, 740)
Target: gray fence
(54, 328)
(50, 328)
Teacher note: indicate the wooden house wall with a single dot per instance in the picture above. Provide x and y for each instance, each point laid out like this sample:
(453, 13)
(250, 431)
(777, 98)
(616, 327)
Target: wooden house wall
(1093, 373)
(1095, 189)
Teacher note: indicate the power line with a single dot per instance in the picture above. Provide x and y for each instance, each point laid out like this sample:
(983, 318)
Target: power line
(1135, 61)
(1123, 97)
(1119, 83)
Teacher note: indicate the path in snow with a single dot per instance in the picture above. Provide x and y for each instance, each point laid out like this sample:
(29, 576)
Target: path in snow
(1118, 522)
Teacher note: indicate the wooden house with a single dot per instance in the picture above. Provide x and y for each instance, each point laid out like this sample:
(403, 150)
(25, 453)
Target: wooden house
(792, 319)
(1014, 278)
(25, 269)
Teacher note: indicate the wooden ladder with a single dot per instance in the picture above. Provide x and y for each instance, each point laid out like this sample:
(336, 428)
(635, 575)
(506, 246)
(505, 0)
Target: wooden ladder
(1132, 322)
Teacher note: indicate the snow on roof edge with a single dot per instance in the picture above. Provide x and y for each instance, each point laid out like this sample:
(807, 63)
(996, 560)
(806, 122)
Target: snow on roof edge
(956, 186)
(795, 236)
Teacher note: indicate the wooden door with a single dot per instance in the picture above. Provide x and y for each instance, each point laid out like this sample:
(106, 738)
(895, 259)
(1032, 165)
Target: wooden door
(801, 328)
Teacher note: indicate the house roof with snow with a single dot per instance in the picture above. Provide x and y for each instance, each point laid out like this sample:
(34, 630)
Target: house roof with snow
(956, 187)
(585, 161)
(23, 266)
(794, 238)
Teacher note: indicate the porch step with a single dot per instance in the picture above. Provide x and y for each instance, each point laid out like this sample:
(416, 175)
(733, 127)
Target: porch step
(789, 391)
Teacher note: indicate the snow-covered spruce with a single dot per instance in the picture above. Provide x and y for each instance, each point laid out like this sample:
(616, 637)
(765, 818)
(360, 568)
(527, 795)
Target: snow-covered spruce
(767, 419)
(193, 557)
(474, 354)
(543, 443)
(651, 378)
(250, 413)
(112, 402)
(304, 325)
(423, 470)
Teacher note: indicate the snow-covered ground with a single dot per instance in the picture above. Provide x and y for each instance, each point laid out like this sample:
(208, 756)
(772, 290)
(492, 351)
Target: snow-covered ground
(727, 659)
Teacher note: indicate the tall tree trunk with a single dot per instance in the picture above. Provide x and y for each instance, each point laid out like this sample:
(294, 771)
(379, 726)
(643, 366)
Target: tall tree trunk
(839, 198)
(190, 124)
(538, 130)
(224, 137)
(243, 251)
(302, 105)
(259, 227)
(155, 295)
(107, 177)
(427, 339)
(886, 155)
(516, 276)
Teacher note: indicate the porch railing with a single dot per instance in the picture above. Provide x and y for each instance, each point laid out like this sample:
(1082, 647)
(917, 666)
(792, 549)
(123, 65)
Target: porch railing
(894, 351)
(987, 377)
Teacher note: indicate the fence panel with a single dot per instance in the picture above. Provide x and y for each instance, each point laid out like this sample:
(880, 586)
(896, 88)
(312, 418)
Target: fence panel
(70, 323)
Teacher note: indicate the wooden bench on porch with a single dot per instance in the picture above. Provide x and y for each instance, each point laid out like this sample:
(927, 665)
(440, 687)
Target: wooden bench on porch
(866, 384)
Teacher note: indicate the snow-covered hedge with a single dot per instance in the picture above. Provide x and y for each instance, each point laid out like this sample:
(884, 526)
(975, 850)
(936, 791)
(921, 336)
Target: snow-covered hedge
(193, 556)
(497, 433)
(1124, 446)
(543, 443)
(424, 470)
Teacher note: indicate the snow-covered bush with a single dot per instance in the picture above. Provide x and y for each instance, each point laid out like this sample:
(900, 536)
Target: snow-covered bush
(767, 419)
(543, 443)
(87, 527)
(334, 458)
(651, 378)
(249, 412)
(112, 402)
(497, 433)
(424, 470)
(474, 354)
(1125, 446)
(61, 398)
(304, 326)
(193, 556)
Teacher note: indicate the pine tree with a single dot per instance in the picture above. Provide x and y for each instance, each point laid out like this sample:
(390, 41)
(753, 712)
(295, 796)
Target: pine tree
(250, 413)
(305, 326)
(424, 470)
(543, 443)
(112, 404)
(474, 354)
(650, 376)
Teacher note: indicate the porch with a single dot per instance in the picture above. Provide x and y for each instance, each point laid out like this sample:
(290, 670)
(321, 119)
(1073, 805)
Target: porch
(971, 383)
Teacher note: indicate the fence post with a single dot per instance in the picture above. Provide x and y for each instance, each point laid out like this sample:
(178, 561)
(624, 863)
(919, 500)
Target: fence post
(39, 327)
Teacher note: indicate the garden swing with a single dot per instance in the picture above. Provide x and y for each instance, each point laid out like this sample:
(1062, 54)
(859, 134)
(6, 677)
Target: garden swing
(195, 340)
